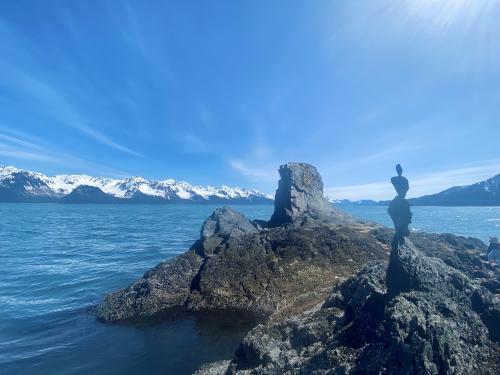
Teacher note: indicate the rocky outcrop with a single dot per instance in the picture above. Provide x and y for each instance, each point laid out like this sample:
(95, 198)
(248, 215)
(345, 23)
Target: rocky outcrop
(163, 289)
(432, 307)
(434, 319)
(254, 268)
(258, 273)
(299, 195)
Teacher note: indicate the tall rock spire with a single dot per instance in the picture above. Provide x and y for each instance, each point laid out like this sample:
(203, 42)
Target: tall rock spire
(299, 195)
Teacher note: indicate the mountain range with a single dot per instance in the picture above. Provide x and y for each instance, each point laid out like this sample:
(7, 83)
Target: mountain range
(18, 185)
(484, 193)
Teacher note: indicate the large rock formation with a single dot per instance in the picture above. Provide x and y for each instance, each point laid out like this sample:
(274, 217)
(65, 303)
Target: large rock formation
(434, 310)
(255, 268)
(436, 319)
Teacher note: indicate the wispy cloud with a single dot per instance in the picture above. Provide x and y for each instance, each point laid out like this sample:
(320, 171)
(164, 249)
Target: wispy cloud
(19, 145)
(94, 134)
(54, 103)
(191, 143)
(419, 185)
(20, 153)
(20, 142)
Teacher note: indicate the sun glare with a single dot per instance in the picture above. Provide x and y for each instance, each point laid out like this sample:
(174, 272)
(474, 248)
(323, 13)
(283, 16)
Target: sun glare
(441, 15)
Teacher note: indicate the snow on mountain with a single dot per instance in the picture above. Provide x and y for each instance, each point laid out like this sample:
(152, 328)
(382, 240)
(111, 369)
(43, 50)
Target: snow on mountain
(22, 183)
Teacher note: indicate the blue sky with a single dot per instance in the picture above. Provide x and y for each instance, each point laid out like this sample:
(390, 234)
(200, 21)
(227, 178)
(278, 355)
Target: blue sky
(223, 92)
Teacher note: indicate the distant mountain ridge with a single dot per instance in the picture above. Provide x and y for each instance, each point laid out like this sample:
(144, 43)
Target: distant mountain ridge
(484, 193)
(18, 185)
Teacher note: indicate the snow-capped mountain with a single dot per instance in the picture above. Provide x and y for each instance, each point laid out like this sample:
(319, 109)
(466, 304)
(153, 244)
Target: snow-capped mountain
(17, 185)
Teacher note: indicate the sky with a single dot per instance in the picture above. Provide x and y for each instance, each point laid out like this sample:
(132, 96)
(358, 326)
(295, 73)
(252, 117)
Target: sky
(223, 92)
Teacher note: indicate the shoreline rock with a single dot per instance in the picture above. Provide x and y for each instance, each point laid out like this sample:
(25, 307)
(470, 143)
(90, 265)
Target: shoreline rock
(259, 269)
(302, 279)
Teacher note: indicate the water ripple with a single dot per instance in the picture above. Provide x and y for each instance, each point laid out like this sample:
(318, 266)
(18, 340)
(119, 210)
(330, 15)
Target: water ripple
(57, 260)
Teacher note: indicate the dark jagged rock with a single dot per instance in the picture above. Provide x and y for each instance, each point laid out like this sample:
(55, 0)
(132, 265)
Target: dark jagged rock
(436, 320)
(494, 250)
(299, 195)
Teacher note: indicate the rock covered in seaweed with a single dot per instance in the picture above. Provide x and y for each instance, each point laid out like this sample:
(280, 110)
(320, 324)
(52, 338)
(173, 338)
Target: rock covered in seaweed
(162, 289)
(254, 273)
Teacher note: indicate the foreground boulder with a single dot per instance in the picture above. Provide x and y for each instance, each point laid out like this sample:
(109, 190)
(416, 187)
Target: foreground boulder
(434, 319)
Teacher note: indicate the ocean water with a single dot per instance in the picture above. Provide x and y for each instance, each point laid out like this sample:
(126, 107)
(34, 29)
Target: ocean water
(479, 222)
(57, 260)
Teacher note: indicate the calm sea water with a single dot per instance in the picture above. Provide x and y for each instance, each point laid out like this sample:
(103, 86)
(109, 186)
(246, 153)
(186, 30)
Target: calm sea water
(57, 260)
